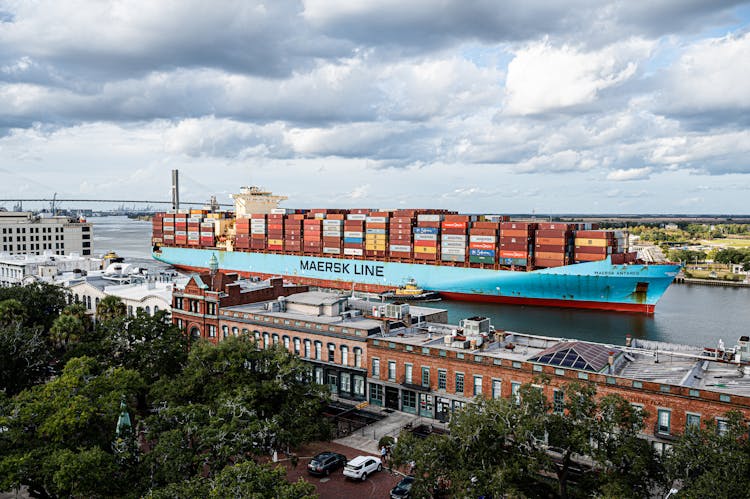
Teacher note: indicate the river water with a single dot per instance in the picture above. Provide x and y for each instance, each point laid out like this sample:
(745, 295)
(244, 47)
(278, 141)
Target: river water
(692, 314)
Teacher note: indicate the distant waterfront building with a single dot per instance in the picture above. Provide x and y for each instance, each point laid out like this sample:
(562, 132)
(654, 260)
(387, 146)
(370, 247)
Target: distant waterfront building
(20, 269)
(138, 291)
(26, 233)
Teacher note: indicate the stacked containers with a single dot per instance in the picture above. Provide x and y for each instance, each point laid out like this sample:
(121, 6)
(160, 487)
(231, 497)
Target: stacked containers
(207, 233)
(180, 228)
(400, 236)
(168, 229)
(621, 242)
(333, 227)
(553, 245)
(242, 233)
(354, 234)
(157, 228)
(593, 245)
(426, 236)
(194, 229)
(312, 233)
(516, 243)
(376, 234)
(293, 224)
(257, 231)
(483, 242)
(453, 238)
(275, 231)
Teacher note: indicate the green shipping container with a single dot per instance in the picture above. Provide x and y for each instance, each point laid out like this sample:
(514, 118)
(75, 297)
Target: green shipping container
(481, 259)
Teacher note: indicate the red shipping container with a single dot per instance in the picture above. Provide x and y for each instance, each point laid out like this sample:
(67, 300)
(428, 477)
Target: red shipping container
(556, 226)
(595, 234)
(400, 254)
(400, 226)
(454, 232)
(544, 262)
(376, 225)
(553, 233)
(425, 256)
(401, 220)
(428, 244)
(482, 232)
(332, 240)
(400, 232)
(483, 246)
(593, 250)
(518, 225)
(513, 254)
(486, 225)
(515, 233)
(433, 225)
(550, 248)
(454, 225)
(588, 257)
(456, 218)
(551, 240)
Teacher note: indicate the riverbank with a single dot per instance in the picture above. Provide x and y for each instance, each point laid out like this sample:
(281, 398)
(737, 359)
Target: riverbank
(711, 282)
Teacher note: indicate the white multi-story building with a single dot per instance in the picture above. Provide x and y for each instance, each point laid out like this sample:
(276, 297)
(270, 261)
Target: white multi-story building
(19, 269)
(26, 233)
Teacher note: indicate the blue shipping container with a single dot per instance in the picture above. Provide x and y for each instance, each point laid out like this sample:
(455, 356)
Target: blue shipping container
(353, 240)
(481, 252)
(426, 230)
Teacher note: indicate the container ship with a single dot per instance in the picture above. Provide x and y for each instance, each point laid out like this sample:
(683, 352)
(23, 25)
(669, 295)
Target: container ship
(485, 258)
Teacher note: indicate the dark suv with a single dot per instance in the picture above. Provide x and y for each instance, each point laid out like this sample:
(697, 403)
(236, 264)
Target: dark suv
(326, 462)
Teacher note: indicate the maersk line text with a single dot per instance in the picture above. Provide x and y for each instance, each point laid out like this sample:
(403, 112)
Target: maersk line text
(343, 268)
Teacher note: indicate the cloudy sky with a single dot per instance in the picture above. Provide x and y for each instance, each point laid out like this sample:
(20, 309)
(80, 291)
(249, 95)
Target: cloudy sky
(508, 106)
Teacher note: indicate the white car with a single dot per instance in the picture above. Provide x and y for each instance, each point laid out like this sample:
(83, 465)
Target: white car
(362, 466)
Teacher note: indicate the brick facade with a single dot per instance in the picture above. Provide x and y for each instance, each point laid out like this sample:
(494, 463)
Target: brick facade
(498, 377)
(196, 307)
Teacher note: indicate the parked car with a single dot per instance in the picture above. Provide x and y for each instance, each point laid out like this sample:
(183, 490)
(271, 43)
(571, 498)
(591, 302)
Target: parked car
(361, 466)
(402, 490)
(326, 462)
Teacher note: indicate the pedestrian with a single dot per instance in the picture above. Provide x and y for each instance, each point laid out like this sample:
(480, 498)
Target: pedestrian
(384, 455)
(412, 466)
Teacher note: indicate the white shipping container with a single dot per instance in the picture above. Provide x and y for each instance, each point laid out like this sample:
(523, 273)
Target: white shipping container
(482, 239)
(335, 251)
(353, 234)
(279, 211)
(331, 233)
(453, 251)
(452, 244)
(180, 233)
(195, 219)
(332, 222)
(425, 237)
(425, 217)
(452, 258)
(353, 251)
(377, 220)
(454, 237)
(356, 216)
(257, 231)
(401, 248)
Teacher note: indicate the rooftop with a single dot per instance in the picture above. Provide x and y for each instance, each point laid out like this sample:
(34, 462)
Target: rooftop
(664, 363)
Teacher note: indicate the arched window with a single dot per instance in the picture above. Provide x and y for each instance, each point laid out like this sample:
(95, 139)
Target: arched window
(286, 341)
(266, 340)
(245, 331)
(195, 333)
(148, 310)
(357, 357)
(77, 299)
(296, 345)
(331, 352)
(224, 331)
(96, 302)
(318, 350)
(156, 309)
(307, 348)
(235, 331)
(275, 339)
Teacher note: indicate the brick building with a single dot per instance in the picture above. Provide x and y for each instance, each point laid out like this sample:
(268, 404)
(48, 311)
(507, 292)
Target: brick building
(196, 306)
(433, 370)
(327, 330)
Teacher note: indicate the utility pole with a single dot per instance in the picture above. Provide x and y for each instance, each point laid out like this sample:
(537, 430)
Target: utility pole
(175, 190)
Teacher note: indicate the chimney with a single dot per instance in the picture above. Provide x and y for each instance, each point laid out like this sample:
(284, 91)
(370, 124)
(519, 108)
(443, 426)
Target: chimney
(611, 362)
(628, 340)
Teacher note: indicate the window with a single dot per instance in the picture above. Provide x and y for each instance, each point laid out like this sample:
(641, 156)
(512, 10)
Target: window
(359, 386)
(408, 368)
(391, 370)
(375, 368)
(459, 383)
(224, 331)
(346, 382)
(722, 425)
(692, 421)
(425, 376)
(376, 394)
(409, 401)
(515, 392)
(296, 346)
(235, 331)
(275, 339)
(357, 357)
(212, 331)
(497, 389)
(442, 376)
(266, 340)
(344, 355)
(637, 384)
(318, 350)
(307, 349)
(663, 420)
(558, 401)
(477, 385)
(319, 375)
(331, 352)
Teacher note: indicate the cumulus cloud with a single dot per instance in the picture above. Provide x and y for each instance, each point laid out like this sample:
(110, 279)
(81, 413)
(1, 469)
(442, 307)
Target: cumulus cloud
(542, 77)
(630, 174)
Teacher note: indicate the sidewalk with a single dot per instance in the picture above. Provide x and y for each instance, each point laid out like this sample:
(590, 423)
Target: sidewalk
(366, 438)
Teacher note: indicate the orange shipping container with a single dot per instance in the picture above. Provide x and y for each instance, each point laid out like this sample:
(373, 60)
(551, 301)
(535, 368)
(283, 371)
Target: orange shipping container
(550, 240)
(513, 254)
(514, 233)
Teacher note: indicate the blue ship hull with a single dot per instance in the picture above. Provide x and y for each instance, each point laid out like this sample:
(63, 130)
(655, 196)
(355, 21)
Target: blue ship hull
(595, 285)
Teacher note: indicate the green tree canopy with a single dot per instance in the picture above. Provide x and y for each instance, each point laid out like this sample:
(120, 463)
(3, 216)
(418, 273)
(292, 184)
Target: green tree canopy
(110, 307)
(24, 357)
(12, 311)
(43, 302)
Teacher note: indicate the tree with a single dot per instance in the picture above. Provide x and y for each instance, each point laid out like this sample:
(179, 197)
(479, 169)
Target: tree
(110, 307)
(66, 330)
(24, 357)
(43, 302)
(12, 311)
(709, 462)
(58, 435)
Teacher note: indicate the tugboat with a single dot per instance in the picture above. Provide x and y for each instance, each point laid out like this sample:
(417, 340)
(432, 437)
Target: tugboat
(411, 292)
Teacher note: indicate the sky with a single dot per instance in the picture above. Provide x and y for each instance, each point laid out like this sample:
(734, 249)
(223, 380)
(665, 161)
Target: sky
(528, 106)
